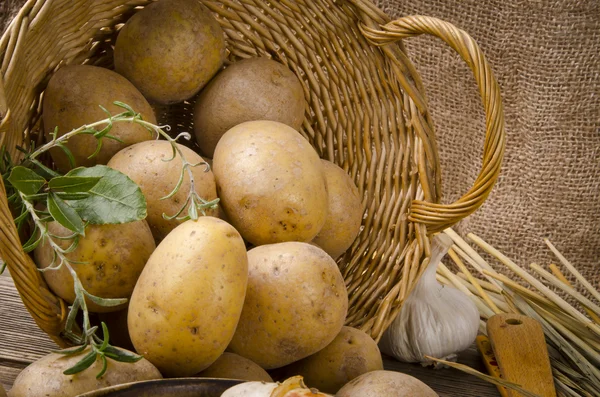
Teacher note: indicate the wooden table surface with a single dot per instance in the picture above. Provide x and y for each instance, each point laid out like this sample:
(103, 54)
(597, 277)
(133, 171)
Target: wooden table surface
(21, 343)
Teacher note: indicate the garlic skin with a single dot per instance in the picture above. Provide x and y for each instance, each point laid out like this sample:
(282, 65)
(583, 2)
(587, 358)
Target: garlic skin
(435, 320)
(291, 387)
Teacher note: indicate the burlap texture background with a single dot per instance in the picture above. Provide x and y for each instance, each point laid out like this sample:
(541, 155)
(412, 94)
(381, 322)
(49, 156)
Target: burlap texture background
(546, 57)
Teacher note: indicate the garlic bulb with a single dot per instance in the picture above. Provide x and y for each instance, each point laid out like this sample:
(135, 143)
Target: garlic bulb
(435, 320)
(291, 387)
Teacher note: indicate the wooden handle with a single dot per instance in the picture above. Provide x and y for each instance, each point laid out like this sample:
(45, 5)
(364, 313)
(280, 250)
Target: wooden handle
(520, 348)
(438, 217)
(489, 359)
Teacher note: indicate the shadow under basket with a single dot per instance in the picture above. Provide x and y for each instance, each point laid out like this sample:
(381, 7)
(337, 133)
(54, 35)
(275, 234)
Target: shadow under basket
(366, 111)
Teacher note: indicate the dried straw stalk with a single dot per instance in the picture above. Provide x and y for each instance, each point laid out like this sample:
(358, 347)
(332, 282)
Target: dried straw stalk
(572, 333)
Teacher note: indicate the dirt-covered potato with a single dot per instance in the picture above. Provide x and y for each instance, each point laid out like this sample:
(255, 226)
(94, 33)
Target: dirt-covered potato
(351, 354)
(344, 212)
(251, 89)
(188, 300)
(386, 384)
(45, 376)
(234, 366)
(296, 304)
(270, 182)
(145, 163)
(108, 261)
(170, 50)
(73, 98)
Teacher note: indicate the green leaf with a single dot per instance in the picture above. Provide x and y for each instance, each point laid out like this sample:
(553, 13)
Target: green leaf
(25, 180)
(73, 184)
(104, 367)
(114, 199)
(36, 197)
(123, 356)
(71, 350)
(67, 151)
(44, 171)
(64, 214)
(130, 112)
(72, 315)
(33, 241)
(193, 211)
(2, 266)
(22, 217)
(105, 335)
(72, 196)
(82, 364)
(107, 302)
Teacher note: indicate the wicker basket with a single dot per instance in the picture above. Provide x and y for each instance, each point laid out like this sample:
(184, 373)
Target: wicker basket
(367, 113)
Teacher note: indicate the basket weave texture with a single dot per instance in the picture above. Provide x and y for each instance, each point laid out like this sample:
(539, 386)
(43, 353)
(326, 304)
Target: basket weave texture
(367, 112)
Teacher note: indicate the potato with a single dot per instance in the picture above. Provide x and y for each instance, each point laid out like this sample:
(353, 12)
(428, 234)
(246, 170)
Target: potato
(45, 376)
(251, 89)
(386, 384)
(170, 50)
(73, 98)
(234, 366)
(351, 354)
(146, 165)
(111, 258)
(344, 212)
(296, 304)
(270, 182)
(188, 300)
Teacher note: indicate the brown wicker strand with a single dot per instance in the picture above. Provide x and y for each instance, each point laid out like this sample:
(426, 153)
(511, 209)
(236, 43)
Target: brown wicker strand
(48, 311)
(366, 111)
(441, 216)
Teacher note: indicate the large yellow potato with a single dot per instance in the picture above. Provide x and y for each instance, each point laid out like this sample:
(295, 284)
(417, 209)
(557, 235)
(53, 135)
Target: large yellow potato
(386, 384)
(73, 98)
(251, 89)
(234, 366)
(145, 163)
(351, 354)
(188, 300)
(108, 261)
(45, 376)
(170, 50)
(296, 304)
(344, 212)
(270, 182)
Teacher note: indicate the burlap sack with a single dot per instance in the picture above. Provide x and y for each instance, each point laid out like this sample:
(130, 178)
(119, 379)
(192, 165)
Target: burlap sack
(546, 57)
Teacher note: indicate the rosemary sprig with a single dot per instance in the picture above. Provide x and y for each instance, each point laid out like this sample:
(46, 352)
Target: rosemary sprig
(65, 198)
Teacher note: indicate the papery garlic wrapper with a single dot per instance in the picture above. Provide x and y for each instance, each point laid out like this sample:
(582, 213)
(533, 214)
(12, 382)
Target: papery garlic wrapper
(435, 320)
(291, 387)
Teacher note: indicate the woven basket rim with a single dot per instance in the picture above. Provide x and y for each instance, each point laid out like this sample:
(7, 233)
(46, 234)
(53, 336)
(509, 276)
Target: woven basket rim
(422, 212)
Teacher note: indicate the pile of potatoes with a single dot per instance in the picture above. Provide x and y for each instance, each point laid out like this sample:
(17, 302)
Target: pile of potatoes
(252, 286)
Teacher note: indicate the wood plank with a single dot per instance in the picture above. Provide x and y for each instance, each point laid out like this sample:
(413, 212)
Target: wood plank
(22, 342)
(449, 382)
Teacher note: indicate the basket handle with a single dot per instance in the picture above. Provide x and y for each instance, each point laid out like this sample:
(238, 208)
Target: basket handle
(438, 217)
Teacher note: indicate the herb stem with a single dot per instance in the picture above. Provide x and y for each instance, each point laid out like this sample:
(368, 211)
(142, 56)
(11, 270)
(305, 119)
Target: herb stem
(121, 117)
